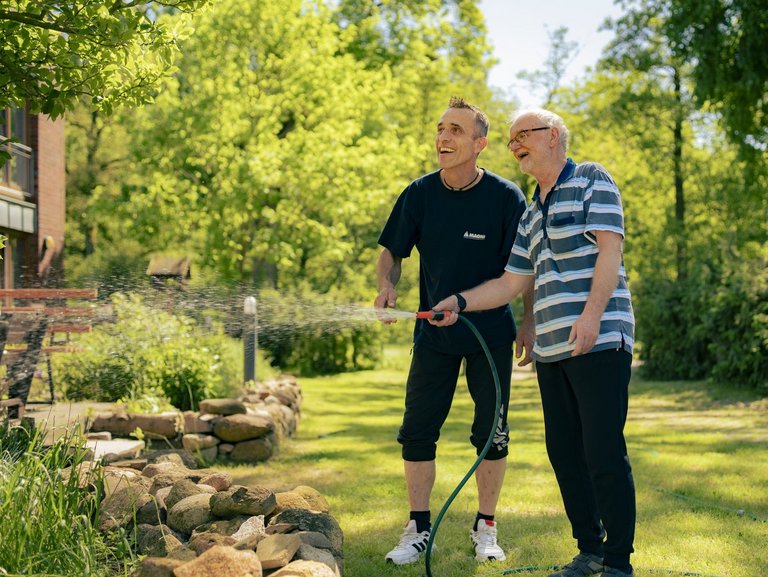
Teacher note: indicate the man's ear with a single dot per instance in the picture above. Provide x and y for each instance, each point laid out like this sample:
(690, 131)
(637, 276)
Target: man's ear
(554, 136)
(480, 144)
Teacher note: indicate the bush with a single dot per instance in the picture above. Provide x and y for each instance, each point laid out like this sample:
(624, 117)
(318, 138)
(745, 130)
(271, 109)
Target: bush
(149, 352)
(713, 325)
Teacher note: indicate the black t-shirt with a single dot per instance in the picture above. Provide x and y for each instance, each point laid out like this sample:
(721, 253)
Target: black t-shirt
(463, 239)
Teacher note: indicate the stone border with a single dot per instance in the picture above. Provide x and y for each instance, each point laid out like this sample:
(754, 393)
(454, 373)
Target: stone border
(248, 429)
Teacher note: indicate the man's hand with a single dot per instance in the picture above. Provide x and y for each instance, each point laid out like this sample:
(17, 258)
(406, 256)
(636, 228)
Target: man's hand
(526, 337)
(450, 307)
(386, 299)
(584, 333)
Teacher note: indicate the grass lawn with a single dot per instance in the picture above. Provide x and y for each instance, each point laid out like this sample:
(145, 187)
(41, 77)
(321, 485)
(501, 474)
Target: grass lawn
(698, 454)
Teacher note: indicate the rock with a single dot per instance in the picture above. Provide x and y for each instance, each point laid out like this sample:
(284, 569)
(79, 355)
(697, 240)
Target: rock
(315, 539)
(178, 456)
(156, 567)
(316, 501)
(218, 480)
(220, 561)
(314, 521)
(253, 451)
(222, 526)
(309, 553)
(205, 456)
(290, 500)
(152, 513)
(119, 508)
(156, 540)
(252, 526)
(222, 407)
(189, 513)
(304, 568)
(239, 500)
(194, 424)
(196, 442)
(180, 490)
(162, 425)
(201, 542)
(236, 428)
(277, 550)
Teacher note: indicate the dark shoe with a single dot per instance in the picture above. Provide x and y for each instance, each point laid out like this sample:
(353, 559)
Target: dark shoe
(582, 566)
(613, 572)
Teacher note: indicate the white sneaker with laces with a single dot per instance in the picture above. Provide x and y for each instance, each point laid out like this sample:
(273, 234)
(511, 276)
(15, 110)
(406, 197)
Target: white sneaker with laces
(484, 540)
(412, 545)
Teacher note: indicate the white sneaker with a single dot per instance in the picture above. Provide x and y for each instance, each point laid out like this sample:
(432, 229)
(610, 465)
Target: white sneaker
(484, 540)
(412, 545)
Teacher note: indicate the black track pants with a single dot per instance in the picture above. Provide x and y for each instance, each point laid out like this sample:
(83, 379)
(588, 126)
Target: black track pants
(429, 394)
(585, 407)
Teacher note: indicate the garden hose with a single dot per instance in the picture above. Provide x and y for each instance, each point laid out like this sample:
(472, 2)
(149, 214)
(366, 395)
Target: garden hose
(439, 316)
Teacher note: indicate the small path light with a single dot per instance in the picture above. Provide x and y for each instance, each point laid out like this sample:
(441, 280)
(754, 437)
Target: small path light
(250, 339)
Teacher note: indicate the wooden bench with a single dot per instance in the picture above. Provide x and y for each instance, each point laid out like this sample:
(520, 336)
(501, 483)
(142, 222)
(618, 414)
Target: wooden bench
(27, 317)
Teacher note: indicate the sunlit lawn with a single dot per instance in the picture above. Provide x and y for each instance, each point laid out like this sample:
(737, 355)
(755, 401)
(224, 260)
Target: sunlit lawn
(698, 453)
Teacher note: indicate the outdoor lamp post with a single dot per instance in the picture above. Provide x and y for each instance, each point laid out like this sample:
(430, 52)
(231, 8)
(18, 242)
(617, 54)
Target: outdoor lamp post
(250, 339)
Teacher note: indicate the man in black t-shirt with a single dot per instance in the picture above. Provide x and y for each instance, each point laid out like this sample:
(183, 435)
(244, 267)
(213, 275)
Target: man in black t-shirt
(463, 220)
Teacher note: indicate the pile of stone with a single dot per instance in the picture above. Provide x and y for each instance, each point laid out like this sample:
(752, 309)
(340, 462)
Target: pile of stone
(196, 523)
(245, 430)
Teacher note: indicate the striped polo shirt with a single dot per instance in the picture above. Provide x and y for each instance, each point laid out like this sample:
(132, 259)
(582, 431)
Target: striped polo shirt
(556, 243)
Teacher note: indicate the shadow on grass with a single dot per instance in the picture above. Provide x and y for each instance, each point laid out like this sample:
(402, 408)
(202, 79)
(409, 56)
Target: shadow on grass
(698, 459)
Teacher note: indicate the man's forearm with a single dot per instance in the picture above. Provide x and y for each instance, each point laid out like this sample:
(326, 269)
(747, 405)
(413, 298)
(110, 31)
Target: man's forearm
(497, 292)
(388, 270)
(605, 278)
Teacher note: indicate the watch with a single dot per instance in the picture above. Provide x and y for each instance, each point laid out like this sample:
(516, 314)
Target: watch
(461, 301)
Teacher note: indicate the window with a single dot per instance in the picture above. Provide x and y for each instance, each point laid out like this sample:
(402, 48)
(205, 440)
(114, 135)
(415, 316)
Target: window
(16, 173)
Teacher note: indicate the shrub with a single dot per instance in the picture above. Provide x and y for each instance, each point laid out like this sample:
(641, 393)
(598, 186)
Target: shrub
(149, 352)
(712, 325)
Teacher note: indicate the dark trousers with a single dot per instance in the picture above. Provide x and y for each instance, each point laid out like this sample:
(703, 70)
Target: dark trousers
(585, 408)
(429, 394)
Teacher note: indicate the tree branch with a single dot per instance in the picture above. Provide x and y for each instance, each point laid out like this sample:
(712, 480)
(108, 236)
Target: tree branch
(36, 22)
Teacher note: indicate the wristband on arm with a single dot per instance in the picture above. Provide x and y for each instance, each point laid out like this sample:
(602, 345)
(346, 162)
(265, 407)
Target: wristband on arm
(461, 301)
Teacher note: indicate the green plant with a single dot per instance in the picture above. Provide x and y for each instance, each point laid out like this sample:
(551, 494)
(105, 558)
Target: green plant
(47, 515)
(146, 351)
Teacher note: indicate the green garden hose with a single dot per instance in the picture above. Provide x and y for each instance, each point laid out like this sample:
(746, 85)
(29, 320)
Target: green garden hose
(482, 454)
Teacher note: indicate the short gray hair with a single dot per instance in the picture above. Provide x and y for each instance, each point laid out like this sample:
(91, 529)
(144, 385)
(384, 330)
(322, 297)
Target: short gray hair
(548, 118)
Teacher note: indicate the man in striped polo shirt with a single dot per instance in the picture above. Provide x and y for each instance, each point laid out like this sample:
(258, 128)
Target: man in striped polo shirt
(569, 245)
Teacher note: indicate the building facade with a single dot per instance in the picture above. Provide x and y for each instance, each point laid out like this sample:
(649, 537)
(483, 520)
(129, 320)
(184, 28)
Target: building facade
(32, 197)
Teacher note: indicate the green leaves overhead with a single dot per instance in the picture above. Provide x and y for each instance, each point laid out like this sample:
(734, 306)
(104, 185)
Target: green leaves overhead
(108, 52)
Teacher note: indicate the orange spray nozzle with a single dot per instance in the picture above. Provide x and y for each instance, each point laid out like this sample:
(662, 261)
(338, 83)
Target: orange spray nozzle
(431, 315)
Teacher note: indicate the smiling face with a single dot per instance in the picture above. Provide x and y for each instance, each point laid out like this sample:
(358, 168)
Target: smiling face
(457, 142)
(533, 143)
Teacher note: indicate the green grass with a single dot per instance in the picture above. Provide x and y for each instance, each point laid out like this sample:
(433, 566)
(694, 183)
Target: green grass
(698, 454)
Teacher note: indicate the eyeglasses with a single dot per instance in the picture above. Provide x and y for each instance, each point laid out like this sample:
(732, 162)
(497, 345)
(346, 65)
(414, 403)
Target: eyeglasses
(522, 136)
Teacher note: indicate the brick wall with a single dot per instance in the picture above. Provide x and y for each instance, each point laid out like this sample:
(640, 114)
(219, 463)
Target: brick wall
(50, 180)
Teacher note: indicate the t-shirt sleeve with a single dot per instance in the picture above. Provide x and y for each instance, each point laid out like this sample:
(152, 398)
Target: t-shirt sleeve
(602, 204)
(519, 259)
(401, 233)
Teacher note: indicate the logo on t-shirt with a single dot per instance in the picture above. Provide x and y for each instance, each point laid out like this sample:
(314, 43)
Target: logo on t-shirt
(474, 236)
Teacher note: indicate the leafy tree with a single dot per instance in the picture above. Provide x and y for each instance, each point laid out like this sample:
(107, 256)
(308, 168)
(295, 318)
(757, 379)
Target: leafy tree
(111, 52)
(661, 92)
(725, 41)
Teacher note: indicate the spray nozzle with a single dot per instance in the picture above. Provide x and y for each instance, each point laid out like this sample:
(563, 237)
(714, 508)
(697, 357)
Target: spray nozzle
(431, 315)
